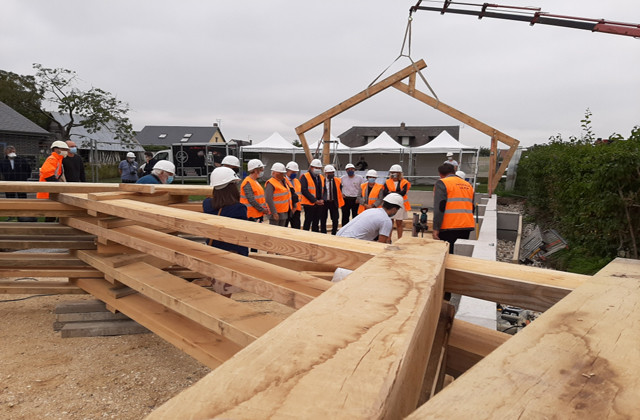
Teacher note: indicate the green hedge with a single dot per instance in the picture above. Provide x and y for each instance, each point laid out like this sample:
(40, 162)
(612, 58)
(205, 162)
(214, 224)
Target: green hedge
(589, 191)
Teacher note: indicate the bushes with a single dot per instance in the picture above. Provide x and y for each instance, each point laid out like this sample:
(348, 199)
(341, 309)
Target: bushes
(589, 191)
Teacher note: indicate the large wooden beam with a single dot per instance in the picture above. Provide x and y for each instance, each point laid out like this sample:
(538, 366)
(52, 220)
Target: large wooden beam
(55, 272)
(37, 208)
(89, 187)
(39, 287)
(280, 284)
(204, 345)
(354, 353)
(344, 252)
(578, 360)
(519, 285)
(222, 315)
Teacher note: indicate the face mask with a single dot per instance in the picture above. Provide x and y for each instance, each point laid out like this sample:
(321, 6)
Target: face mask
(329, 176)
(317, 171)
(64, 153)
(394, 176)
(371, 181)
(351, 173)
(170, 179)
(260, 174)
(11, 155)
(293, 176)
(73, 150)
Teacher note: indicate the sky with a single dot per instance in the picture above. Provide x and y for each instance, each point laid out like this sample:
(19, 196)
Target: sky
(257, 67)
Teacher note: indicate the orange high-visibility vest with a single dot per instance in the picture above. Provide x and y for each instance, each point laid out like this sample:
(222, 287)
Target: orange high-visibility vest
(258, 194)
(391, 186)
(339, 196)
(372, 197)
(458, 213)
(311, 186)
(51, 167)
(297, 187)
(281, 195)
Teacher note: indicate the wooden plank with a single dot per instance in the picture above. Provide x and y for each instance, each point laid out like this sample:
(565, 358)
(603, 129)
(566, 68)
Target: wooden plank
(519, 285)
(160, 197)
(103, 328)
(55, 187)
(39, 287)
(35, 228)
(36, 208)
(230, 319)
(78, 306)
(279, 284)
(209, 348)
(50, 272)
(40, 260)
(470, 343)
(292, 263)
(46, 244)
(120, 291)
(577, 360)
(434, 375)
(317, 247)
(326, 139)
(371, 366)
(197, 207)
(89, 316)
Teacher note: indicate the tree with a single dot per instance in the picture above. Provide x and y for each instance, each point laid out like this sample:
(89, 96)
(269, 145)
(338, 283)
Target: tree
(23, 94)
(94, 109)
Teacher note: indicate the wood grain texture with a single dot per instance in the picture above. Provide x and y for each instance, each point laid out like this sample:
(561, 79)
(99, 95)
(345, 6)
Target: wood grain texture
(353, 353)
(39, 287)
(578, 360)
(199, 342)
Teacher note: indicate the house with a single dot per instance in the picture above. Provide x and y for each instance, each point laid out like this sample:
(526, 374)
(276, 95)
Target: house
(31, 141)
(413, 136)
(101, 147)
(166, 135)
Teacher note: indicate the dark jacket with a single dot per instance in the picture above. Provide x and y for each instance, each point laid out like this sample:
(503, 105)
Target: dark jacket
(20, 172)
(73, 169)
(235, 211)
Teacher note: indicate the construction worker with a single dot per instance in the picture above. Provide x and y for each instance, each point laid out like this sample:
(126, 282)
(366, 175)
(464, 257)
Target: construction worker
(396, 183)
(312, 187)
(73, 165)
(333, 200)
(252, 193)
(225, 201)
(232, 162)
(370, 195)
(374, 224)
(128, 169)
(451, 161)
(150, 161)
(277, 194)
(162, 173)
(52, 170)
(292, 176)
(452, 207)
(351, 183)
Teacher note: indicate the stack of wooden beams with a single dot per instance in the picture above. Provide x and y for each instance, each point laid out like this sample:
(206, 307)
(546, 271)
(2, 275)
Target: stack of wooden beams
(377, 344)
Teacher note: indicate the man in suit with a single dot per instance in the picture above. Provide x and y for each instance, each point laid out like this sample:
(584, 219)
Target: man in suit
(14, 168)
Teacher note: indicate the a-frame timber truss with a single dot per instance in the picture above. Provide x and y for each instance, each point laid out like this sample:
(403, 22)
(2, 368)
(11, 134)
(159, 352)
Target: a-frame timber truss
(396, 81)
(376, 345)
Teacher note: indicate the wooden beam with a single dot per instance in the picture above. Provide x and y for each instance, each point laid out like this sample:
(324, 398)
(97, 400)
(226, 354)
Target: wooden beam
(326, 139)
(312, 246)
(279, 284)
(36, 208)
(434, 375)
(35, 228)
(577, 360)
(519, 285)
(16, 243)
(493, 158)
(372, 366)
(89, 187)
(292, 263)
(470, 343)
(50, 272)
(305, 146)
(204, 345)
(39, 260)
(39, 287)
(222, 315)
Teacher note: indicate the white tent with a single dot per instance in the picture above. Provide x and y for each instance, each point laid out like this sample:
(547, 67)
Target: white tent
(381, 144)
(335, 145)
(443, 143)
(275, 143)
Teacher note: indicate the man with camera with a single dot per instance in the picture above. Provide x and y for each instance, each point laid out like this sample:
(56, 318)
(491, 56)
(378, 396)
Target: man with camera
(128, 169)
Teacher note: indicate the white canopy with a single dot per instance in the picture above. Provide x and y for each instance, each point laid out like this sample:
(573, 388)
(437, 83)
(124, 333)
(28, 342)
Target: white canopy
(335, 145)
(381, 144)
(443, 143)
(274, 143)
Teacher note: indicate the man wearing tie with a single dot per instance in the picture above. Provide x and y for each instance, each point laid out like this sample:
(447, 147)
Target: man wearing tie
(333, 200)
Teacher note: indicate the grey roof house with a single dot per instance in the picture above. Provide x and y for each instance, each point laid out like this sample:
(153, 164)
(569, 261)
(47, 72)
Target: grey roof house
(166, 135)
(409, 136)
(31, 141)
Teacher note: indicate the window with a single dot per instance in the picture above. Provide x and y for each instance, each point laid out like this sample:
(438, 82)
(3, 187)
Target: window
(188, 135)
(162, 136)
(405, 140)
(184, 139)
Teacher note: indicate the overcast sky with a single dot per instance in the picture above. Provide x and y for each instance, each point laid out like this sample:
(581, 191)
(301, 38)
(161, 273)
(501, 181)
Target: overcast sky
(265, 66)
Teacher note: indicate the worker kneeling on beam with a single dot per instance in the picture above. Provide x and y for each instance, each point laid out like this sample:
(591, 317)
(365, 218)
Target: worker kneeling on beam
(374, 224)
(162, 173)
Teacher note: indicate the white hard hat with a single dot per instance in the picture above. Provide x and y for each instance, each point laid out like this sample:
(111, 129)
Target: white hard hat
(329, 168)
(372, 173)
(59, 144)
(222, 176)
(449, 154)
(349, 166)
(395, 168)
(231, 160)
(292, 166)
(316, 163)
(278, 167)
(131, 154)
(394, 198)
(166, 166)
(461, 174)
(254, 163)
